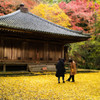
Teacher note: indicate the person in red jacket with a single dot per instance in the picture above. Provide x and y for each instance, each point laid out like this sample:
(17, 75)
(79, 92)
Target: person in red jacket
(72, 70)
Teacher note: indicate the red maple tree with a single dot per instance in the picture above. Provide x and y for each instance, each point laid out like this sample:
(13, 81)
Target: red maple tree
(81, 13)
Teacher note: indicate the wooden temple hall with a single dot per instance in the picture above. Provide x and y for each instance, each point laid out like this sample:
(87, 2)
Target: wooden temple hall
(28, 42)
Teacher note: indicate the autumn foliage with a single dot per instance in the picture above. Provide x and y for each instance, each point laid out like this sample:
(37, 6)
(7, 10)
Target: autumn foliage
(98, 21)
(52, 13)
(35, 86)
(81, 13)
(8, 6)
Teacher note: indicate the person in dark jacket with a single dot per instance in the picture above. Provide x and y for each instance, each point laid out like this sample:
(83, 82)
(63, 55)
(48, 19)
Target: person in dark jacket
(60, 70)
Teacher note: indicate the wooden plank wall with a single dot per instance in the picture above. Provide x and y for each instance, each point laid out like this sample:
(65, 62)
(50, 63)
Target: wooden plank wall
(15, 49)
(7, 52)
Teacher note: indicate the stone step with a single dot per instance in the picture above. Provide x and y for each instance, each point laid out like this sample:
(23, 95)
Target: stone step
(33, 68)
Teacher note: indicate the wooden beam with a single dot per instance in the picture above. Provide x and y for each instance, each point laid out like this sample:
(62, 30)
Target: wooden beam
(42, 36)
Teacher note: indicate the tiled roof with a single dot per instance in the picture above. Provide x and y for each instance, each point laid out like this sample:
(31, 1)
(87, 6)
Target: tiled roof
(31, 22)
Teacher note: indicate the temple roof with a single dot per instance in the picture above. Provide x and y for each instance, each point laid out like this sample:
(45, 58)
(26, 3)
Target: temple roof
(27, 21)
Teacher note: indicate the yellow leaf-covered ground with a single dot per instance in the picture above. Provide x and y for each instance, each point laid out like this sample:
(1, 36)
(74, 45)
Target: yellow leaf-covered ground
(45, 87)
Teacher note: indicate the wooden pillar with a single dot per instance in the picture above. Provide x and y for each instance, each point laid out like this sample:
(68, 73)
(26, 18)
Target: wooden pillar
(62, 55)
(27, 69)
(55, 53)
(66, 53)
(24, 50)
(46, 51)
(4, 68)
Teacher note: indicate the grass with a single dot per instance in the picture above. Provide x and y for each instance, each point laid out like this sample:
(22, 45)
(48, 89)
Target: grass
(45, 87)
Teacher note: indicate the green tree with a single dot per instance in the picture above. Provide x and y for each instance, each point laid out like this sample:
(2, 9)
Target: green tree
(86, 54)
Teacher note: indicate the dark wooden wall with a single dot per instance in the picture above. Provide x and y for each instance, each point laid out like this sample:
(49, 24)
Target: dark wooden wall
(14, 49)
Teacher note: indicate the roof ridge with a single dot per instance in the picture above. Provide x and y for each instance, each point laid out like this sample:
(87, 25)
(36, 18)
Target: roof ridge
(79, 32)
(13, 13)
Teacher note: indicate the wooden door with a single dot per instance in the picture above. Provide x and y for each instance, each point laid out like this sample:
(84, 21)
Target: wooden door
(39, 52)
(32, 51)
(51, 54)
(58, 52)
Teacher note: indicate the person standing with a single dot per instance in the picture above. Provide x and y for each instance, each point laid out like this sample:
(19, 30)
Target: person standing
(60, 70)
(72, 70)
